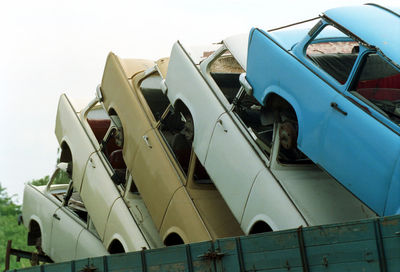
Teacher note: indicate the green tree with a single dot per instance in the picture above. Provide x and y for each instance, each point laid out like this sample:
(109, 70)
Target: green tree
(60, 178)
(7, 207)
(10, 230)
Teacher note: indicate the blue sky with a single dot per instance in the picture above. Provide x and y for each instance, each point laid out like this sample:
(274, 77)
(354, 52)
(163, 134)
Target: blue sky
(54, 47)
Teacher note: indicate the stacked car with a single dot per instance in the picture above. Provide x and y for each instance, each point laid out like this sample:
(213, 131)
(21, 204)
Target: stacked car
(174, 151)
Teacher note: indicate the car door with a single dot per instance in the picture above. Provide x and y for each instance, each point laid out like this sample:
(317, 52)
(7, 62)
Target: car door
(69, 130)
(98, 191)
(64, 235)
(273, 71)
(364, 148)
(196, 94)
(119, 97)
(215, 134)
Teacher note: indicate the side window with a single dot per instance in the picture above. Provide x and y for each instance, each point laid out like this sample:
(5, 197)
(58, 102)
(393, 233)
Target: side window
(156, 100)
(378, 85)
(99, 122)
(178, 131)
(111, 148)
(256, 119)
(75, 204)
(334, 52)
(225, 71)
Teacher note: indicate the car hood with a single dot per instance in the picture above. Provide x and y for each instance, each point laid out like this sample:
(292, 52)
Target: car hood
(376, 25)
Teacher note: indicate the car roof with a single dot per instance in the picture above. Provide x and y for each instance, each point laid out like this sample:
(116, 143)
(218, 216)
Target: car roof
(376, 25)
(238, 45)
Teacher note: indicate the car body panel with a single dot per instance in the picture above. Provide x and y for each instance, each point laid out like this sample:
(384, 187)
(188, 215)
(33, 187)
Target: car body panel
(384, 34)
(192, 227)
(118, 94)
(267, 202)
(98, 191)
(119, 225)
(69, 130)
(181, 66)
(96, 201)
(65, 238)
(356, 144)
(206, 198)
(250, 187)
(141, 214)
(225, 151)
(155, 170)
(88, 247)
(148, 174)
(64, 234)
(306, 183)
(37, 207)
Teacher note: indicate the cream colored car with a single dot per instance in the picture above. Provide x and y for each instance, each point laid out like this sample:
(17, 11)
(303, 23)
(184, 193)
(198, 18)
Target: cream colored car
(58, 222)
(117, 211)
(180, 196)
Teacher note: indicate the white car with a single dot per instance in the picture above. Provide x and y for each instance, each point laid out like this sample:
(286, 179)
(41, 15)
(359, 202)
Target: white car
(266, 187)
(58, 222)
(118, 216)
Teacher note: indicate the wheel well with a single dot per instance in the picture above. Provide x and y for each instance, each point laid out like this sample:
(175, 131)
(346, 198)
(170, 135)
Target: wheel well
(277, 104)
(180, 106)
(116, 247)
(66, 155)
(34, 233)
(111, 111)
(173, 239)
(260, 227)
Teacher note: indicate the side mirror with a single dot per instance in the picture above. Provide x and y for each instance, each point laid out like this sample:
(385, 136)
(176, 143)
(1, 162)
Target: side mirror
(63, 166)
(245, 84)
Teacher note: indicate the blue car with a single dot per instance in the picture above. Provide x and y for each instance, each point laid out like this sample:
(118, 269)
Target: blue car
(335, 89)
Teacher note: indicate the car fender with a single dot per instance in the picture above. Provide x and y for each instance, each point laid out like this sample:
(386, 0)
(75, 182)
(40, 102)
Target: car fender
(292, 102)
(261, 217)
(119, 238)
(177, 230)
(46, 235)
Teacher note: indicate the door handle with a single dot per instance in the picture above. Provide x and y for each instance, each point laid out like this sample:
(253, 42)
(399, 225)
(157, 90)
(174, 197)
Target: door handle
(222, 125)
(335, 106)
(146, 140)
(56, 217)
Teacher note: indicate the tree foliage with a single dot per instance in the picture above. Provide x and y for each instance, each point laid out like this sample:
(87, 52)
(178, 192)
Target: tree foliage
(7, 206)
(10, 230)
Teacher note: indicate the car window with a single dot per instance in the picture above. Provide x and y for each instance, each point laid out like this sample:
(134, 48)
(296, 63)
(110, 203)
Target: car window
(75, 204)
(378, 85)
(99, 122)
(155, 98)
(334, 52)
(252, 114)
(225, 71)
(178, 131)
(175, 127)
(112, 146)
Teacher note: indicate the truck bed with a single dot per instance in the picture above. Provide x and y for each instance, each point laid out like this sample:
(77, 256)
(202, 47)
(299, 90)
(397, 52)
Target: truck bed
(366, 245)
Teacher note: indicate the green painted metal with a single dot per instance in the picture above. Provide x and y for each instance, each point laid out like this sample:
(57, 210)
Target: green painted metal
(368, 245)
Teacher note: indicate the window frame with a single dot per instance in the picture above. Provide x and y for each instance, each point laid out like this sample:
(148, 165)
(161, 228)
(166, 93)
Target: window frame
(320, 26)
